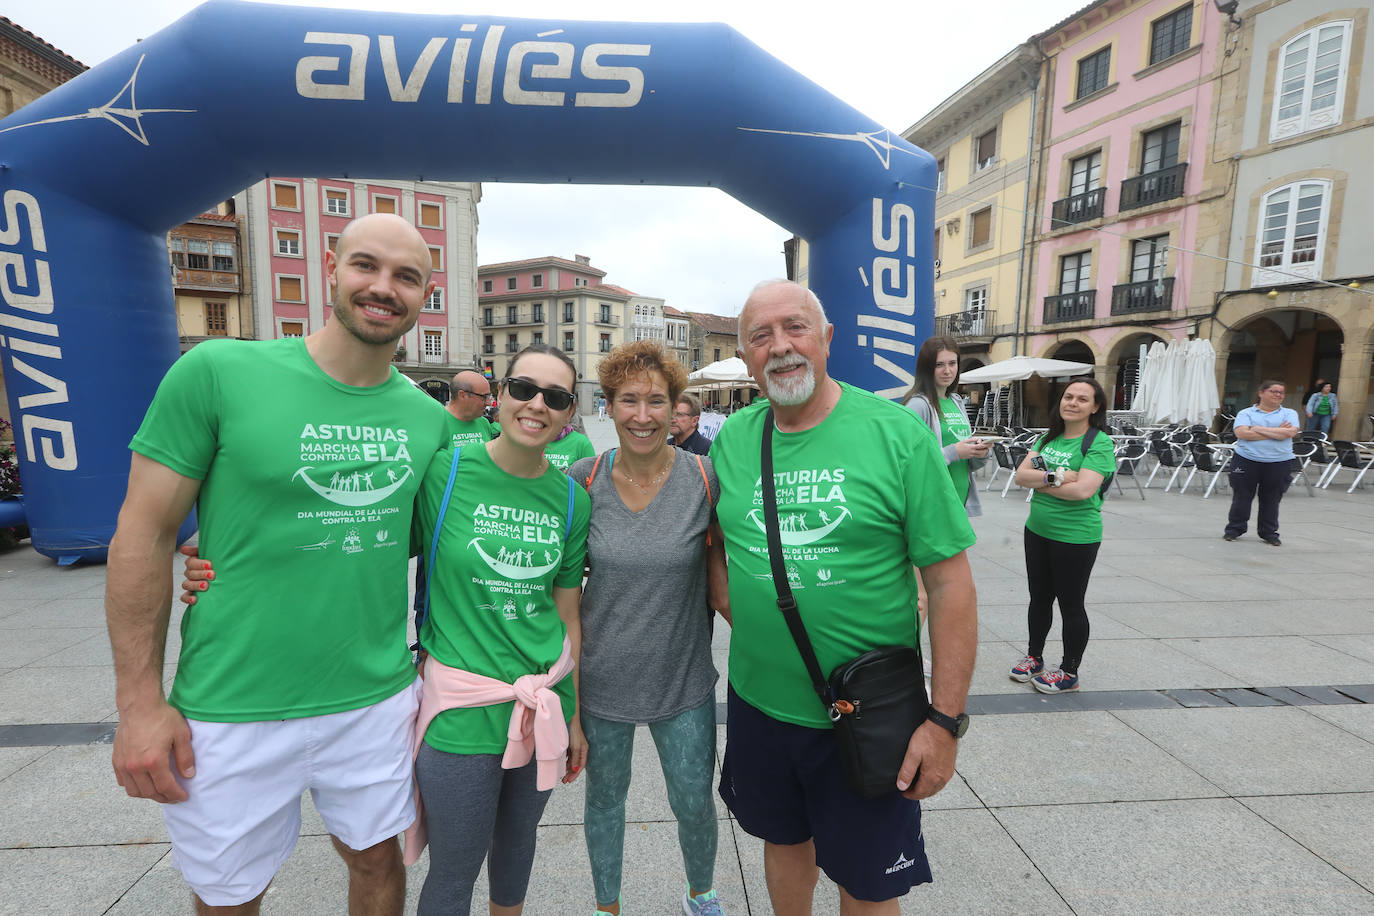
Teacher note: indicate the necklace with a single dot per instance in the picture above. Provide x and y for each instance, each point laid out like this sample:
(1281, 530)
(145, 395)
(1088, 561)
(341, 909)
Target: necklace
(653, 483)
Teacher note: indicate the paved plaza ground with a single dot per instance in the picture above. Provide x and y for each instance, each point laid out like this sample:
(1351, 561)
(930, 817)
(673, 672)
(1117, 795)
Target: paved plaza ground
(1218, 760)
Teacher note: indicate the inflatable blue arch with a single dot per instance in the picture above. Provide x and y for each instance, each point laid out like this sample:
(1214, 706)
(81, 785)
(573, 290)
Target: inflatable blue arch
(93, 174)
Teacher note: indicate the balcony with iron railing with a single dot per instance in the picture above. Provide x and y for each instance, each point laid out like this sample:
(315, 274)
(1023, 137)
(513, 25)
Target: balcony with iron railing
(1153, 187)
(1145, 296)
(974, 322)
(1070, 306)
(506, 320)
(608, 320)
(1079, 208)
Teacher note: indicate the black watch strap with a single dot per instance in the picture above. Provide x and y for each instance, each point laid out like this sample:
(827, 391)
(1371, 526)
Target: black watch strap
(955, 725)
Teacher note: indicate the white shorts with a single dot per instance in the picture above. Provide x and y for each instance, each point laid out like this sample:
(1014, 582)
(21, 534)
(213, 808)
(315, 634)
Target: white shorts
(244, 811)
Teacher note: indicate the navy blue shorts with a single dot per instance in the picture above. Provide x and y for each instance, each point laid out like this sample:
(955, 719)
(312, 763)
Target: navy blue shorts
(784, 783)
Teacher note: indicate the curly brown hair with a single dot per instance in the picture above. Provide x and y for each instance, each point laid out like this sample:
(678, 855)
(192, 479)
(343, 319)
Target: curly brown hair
(639, 358)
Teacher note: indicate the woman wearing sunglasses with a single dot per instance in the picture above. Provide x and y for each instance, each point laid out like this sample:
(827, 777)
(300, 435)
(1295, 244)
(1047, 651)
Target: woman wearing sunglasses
(646, 649)
(500, 642)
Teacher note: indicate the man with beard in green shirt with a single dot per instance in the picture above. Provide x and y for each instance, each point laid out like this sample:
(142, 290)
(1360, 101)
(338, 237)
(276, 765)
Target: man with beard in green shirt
(862, 496)
(304, 457)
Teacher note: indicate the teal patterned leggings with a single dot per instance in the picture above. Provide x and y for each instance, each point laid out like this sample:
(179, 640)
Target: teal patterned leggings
(687, 751)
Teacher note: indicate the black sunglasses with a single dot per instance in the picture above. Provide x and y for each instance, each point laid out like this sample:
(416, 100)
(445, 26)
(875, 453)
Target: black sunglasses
(525, 390)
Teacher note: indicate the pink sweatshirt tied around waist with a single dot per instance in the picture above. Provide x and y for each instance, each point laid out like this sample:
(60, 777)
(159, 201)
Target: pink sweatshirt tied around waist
(537, 728)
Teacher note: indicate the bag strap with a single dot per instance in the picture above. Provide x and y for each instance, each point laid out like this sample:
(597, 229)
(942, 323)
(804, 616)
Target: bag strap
(1088, 438)
(567, 519)
(595, 464)
(702, 468)
(434, 544)
(786, 603)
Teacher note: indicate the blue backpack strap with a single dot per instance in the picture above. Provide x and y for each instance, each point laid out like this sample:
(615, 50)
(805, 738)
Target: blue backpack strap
(567, 521)
(434, 544)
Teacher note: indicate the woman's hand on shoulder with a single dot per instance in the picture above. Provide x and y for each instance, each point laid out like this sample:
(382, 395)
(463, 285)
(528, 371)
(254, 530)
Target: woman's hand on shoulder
(199, 574)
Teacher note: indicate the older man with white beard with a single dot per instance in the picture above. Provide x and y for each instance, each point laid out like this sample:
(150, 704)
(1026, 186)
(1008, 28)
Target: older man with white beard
(863, 496)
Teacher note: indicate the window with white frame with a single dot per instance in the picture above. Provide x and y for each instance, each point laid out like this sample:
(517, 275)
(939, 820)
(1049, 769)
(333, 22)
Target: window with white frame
(288, 242)
(1291, 233)
(975, 300)
(568, 342)
(430, 215)
(290, 288)
(382, 203)
(486, 286)
(985, 155)
(1159, 148)
(336, 201)
(568, 314)
(512, 343)
(605, 343)
(537, 281)
(1075, 272)
(436, 258)
(435, 302)
(511, 283)
(940, 175)
(1311, 80)
(197, 254)
(222, 255)
(285, 196)
(432, 345)
(537, 337)
(288, 328)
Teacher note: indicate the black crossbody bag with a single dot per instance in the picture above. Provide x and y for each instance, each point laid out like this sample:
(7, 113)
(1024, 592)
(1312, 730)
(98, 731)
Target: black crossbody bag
(875, 701)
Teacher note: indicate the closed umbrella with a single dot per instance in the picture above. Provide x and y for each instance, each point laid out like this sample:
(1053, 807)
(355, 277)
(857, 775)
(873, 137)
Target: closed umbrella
(1019, 368)
(1199, 401)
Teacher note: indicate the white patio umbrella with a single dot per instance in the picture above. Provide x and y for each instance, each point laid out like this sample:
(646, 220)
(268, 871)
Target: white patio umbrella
(1151, 380)
(727, 373)
(1165, 397)
(1019, 368)
(1198, 402)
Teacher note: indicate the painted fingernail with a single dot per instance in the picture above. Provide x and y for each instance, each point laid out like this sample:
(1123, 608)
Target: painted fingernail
(209, 574)
(204, 586)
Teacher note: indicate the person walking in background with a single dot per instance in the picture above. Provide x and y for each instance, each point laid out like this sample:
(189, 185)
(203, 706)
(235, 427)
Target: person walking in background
(1066, 470)
(646, 640)
(1322, 408)
(1263, 462)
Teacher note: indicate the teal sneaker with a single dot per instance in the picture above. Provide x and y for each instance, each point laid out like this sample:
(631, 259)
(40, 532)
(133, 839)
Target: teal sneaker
(706, 904)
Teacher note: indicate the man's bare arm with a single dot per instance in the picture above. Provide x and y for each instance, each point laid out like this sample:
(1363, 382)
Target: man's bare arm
(953, 621)
(138, 602)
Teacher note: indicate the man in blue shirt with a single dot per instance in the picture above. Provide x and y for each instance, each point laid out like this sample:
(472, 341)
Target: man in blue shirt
(1262, 462)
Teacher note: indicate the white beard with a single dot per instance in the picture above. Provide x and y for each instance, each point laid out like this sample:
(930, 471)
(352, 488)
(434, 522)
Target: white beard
(792, 392)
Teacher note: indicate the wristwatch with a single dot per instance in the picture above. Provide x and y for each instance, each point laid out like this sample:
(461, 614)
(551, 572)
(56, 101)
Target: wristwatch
(955, 725)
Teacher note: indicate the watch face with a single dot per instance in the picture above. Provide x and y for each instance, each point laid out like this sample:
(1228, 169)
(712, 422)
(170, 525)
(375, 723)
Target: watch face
(961, 725)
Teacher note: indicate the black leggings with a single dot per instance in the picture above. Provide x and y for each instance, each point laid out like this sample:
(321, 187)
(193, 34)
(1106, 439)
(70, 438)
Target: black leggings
(1055, 569)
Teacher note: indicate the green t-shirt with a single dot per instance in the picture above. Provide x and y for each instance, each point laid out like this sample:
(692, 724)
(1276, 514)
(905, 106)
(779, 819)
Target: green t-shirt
(305, 510)
(572, 447)
(469, 432)
(954, 428)
(1072, 521)
(1324, 405)
(491, 607)
(861, 498)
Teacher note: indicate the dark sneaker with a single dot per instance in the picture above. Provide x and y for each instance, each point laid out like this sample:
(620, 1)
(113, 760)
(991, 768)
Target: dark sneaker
(1056, 682)
(1273, 542)
(1027, 668)
(1229, 537)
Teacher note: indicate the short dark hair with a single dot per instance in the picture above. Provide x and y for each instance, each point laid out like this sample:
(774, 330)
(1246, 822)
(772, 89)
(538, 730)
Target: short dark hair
(1270, 383)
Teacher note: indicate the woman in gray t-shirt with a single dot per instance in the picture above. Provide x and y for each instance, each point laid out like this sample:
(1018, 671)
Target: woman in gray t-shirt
(646, 642)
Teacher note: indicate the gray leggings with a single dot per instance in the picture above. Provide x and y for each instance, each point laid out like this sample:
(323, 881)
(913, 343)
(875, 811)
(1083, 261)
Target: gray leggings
(476, 810)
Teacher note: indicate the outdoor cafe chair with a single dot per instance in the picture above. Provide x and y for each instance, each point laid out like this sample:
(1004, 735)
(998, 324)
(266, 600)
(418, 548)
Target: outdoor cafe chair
(1303, 451)
(1208, 462)
(1352, 455)
(1169, 455)
(1129, 457)
(1001, 462)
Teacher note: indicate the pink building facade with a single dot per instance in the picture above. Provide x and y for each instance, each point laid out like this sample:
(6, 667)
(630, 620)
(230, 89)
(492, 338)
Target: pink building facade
(1128, 189)
(291, 222)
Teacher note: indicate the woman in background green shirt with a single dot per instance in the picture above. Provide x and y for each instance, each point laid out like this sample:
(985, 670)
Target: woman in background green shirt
(1064, 529)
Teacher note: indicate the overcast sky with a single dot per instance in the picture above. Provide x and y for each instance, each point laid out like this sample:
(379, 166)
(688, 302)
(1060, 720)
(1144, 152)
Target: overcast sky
(893, 60)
